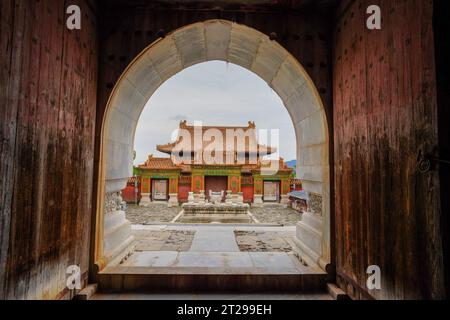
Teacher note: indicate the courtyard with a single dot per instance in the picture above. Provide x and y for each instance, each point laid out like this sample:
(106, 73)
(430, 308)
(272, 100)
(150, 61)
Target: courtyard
(264, 246)
(193, 259)
(217, 238)
(255, 248)
(155, 213)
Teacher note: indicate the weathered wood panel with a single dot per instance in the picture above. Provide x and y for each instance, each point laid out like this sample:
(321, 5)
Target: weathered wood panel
(127, 30)
(385, 114)
(48, 99)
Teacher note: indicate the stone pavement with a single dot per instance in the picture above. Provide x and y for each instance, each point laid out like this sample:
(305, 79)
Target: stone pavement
(160, 240)
(214, 241)
(161, 213)
(219, 238)
(263, 241)
(154, 213)
(276, 214)
(214, 246)
(227, 258)
(269, 262)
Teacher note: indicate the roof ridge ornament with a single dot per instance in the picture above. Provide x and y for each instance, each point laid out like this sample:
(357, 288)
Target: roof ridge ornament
(183, 124)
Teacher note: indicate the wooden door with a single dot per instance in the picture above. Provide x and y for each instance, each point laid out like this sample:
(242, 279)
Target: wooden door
(160, 190)
(271, 191)
(215, 184)
(385, 117)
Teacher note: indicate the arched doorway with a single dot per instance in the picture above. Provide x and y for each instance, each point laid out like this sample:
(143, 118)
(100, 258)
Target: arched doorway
(193, 44)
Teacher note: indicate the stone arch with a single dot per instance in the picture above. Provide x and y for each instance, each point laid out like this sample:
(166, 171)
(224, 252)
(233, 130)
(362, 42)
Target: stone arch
(187, 46)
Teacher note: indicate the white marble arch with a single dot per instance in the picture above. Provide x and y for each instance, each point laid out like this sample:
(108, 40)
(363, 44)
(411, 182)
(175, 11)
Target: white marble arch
(246, 47)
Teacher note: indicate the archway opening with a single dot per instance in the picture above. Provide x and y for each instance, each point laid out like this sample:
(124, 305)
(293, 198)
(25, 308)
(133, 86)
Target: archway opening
(188, 46)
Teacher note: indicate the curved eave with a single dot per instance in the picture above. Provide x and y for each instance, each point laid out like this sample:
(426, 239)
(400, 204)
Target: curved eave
(159, 169)
(166, 148)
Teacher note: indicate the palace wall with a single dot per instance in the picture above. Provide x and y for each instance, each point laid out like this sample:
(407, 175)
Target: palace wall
(48, 84)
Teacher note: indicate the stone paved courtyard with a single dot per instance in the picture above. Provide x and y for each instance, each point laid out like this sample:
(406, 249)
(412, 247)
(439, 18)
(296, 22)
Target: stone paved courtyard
(163, 238)
(260, 241)
(218, 238)
(215, 249)
(276, 214)
(154, 213)
(167, 240)
(161, 213)
(181, 240)
(219, 245)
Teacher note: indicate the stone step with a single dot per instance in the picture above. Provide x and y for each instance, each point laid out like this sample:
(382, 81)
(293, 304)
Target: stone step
(176, 280)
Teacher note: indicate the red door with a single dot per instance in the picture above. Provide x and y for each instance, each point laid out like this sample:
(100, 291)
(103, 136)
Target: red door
(247, 192)
(215, 184)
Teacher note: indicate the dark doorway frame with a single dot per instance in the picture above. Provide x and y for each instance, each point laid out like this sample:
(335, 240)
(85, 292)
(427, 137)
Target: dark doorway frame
(151, 189)
(279, 190)
(441, 25)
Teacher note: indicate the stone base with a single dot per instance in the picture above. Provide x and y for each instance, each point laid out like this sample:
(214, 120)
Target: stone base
(235, 280)
(309, 237)
(209, 208)
(145, 200)
(117, 235)
(257, 200)
(173, 200)
(191, 197)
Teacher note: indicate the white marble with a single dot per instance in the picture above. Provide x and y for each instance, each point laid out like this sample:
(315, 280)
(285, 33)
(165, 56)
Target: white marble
(273, 260)
(214, 241)
(152, 259)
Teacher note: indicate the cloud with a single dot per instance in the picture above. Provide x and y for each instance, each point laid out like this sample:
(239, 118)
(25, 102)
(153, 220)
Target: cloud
(178, 117)
(215, 93)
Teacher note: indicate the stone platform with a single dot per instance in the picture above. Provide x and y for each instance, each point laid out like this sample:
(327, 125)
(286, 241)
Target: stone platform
(209, 208)
(213, 263)
(210, 278)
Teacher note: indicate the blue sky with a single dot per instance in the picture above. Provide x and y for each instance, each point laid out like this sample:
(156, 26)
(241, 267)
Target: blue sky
(216, 93)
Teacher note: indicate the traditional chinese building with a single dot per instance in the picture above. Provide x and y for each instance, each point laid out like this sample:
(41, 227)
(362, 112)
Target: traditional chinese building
(224, 158)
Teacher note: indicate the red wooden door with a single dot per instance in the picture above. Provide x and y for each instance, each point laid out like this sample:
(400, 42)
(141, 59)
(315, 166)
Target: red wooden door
(215, 184)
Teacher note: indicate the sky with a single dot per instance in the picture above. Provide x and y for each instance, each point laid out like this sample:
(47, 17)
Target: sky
(216, 93)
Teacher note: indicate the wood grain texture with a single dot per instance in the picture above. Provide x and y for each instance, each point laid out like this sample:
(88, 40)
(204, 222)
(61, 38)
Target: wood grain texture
(385, 114)
(48, 98)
